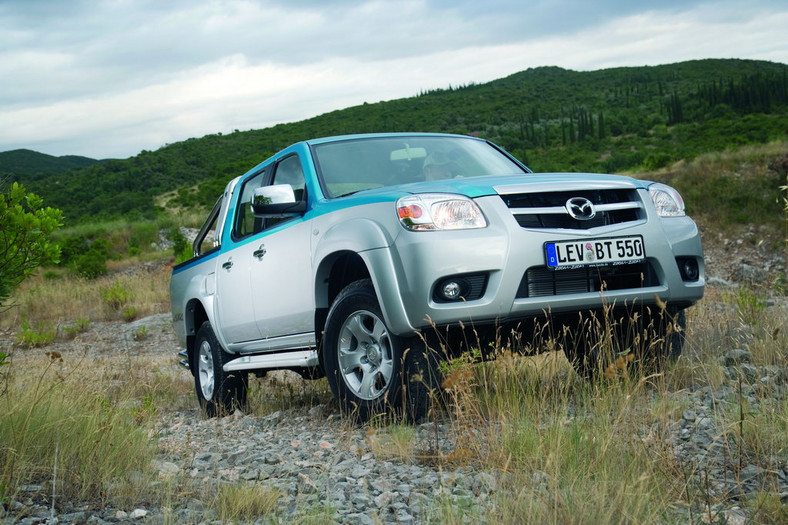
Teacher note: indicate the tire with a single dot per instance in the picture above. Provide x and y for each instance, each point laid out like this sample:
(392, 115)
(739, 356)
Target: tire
(644, 345)
(218, 392)
(370, 370)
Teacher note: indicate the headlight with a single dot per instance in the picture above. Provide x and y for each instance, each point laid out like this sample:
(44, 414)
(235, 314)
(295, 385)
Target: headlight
(439, 211)
(667, 200)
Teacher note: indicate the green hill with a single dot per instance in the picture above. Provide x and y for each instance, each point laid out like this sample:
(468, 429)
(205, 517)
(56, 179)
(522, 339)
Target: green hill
(26, 165)
(612, 120)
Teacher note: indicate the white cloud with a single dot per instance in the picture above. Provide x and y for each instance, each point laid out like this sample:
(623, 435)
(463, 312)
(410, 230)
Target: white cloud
(111, 78)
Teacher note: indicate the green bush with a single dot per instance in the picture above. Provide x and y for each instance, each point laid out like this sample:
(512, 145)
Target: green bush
(129, 314)
(31, 336)
(26, 227)
(143, 236)
(116, 296)
(181, 248)
(90, 264)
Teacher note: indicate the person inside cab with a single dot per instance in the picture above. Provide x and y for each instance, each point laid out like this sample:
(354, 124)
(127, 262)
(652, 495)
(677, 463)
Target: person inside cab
(438, 166)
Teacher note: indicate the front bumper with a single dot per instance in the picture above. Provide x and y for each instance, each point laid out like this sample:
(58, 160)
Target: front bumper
(504, 252)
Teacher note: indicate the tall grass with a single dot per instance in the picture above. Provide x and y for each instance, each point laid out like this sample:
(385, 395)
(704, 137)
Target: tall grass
(574, 451)
(567, 451)
(57, 430)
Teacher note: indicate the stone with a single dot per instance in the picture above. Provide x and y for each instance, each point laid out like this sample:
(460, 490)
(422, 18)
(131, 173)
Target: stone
(750, 472)
(383, 499)
(737, 356)
(483, 483)
(138, 514)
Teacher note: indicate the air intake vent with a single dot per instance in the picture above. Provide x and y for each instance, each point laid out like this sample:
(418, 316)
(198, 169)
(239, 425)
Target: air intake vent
(538, 281)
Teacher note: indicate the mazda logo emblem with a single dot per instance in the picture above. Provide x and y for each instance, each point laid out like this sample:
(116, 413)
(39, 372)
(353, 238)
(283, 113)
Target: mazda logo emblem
(580, 208)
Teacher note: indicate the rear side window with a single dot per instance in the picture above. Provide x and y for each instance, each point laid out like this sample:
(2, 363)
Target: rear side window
(206, 239)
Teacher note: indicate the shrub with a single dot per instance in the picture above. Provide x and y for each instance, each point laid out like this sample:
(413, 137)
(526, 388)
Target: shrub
(80, 326)
(90, 265)
(129, 314)
(34, 336)
(26, 227)
(181, 248)
(116, 296)
(143, 236)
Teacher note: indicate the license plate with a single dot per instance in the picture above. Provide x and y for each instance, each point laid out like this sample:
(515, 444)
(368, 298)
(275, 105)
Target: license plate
(594, 252)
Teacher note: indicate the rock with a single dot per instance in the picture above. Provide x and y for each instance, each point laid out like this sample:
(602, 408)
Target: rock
(736, 356)
(383, 499)
(138, 514)
(483, 483)
(166, 469)
(750, 472)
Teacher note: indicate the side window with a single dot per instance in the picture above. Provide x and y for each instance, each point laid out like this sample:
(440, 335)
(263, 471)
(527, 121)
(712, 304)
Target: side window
(289, 171)
(206, 239)
(245, 221)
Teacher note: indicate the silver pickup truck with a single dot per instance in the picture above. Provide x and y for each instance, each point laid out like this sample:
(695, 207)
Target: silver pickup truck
(366, 258)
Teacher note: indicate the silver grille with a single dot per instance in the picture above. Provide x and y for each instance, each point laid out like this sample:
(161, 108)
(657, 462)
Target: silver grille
(543, 210)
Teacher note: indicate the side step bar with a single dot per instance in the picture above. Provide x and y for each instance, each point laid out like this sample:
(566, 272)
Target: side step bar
(302, 358)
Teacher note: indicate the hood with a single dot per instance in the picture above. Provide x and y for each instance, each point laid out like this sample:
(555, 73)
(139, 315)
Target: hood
(491, 185)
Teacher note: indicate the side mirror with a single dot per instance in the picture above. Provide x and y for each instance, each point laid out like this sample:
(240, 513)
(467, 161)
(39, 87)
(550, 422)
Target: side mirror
(276, 201)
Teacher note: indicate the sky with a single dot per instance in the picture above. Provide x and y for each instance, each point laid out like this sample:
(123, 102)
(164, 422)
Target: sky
(109, 78)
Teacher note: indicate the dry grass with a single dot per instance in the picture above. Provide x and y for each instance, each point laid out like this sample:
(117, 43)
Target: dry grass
(240, 502)
(570, 451)
(61, 424)
(61, 300)
(284, 390)
(563, 450)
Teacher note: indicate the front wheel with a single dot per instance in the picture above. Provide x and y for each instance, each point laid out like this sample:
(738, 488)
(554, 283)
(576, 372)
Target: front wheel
(370, 369)
(218, 392)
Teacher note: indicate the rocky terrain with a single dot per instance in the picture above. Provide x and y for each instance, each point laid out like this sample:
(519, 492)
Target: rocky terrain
(323, 466)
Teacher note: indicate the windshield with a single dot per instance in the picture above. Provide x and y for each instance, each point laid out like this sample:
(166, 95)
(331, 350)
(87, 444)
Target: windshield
(361, 164)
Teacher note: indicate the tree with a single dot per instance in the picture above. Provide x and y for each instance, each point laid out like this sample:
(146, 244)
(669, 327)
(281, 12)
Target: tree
(25, 231)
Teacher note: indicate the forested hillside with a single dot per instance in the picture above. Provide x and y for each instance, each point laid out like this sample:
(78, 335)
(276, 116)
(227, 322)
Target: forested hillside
(29, 165)
(611, 120)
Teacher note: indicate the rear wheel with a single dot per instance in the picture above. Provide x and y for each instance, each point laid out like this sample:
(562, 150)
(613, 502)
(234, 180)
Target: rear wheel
(218, 392)
(370, 369)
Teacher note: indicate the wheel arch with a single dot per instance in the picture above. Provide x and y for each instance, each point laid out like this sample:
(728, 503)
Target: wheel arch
(196, 315)
(332, 275)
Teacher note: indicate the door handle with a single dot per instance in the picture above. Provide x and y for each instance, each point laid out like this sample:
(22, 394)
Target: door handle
(227, 265)
(260, 252)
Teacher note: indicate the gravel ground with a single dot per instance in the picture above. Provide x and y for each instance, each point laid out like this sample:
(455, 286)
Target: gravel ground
(327, 467)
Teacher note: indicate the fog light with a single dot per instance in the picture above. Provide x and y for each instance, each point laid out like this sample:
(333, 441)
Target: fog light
(457, 288)
(451, 290)
(689, 269)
